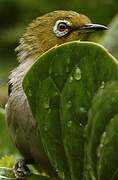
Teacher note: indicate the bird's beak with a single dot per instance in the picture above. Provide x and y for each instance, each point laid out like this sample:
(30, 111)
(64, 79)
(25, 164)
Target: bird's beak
(87, 28)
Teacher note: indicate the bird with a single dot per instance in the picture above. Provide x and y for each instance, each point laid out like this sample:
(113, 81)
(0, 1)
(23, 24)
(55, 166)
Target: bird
(43, 33)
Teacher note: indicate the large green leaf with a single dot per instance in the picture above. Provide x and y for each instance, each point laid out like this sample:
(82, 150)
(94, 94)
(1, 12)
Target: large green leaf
(73, 93)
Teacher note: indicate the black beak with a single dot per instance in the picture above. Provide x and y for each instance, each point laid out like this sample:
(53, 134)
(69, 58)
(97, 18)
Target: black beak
(92, 28)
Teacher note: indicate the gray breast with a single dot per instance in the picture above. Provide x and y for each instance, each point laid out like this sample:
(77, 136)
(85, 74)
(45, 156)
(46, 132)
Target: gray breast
(22, 126)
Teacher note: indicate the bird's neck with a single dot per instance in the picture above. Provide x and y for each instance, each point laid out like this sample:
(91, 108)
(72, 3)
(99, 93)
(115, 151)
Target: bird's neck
(26, 58)
(25, 52)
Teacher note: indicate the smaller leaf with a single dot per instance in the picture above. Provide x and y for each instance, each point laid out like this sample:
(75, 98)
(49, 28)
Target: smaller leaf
(6, 147)
(108, 152)
(2, 114)
(7, 161)
(6, 173)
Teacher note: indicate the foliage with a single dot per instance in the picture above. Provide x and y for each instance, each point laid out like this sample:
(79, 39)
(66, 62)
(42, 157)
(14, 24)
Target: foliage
(7, 161)
(6, 173)
(99, 11)
(110, 40)
(6, 164)
(73, 94)
(6, 147)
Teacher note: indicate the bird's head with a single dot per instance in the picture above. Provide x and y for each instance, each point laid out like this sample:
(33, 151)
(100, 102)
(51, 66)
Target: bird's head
(54, 29)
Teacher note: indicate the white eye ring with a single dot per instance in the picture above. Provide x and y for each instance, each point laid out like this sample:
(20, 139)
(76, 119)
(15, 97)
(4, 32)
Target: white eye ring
(65, 31)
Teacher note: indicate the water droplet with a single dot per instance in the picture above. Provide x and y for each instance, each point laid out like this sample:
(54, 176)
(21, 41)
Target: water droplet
(77, 74)
(67, 69)
(49, 111)
(69, 104)
(70, 79)
(55, 74)
(50, 70)
(69, 124)
(99, 150)
(46, 103)
(57, 170)
(68, 60)
(82, 110)
(29, 92)
(45, 128)
(102, 85)
(104, 135)
(61, 174)
(113, 99)
(92, 176)
(101, 145)
(80, 124)
(90, 171)
(55, 94)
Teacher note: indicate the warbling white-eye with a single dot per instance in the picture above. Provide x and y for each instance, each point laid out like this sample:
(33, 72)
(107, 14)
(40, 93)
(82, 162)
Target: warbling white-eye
(42, 34)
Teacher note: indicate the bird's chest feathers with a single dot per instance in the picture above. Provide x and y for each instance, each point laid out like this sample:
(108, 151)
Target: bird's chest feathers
(17, 76)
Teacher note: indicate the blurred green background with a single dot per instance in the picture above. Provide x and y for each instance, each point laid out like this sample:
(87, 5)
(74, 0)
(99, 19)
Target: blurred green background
(16, 14)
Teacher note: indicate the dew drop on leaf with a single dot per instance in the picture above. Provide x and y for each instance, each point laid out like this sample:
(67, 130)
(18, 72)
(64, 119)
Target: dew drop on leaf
(113, 99)
(70, 79)
(90, 171)
(55, 94)
(50, 70)
(57, 170)
(45, 128)
(82, 110)
(69, 104)
(77, 74)
(29, 92)
(101, 144)
(68, 60)
(49, 111)
(69, 124)
(61, 174)
(80, 124)
(67, 69)
(46, 103)
(102, 85)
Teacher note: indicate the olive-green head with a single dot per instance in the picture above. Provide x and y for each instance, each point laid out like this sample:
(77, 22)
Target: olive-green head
(54, 29)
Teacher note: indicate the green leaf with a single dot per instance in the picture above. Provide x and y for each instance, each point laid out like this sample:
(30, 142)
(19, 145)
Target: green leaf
(6, 170)
(61, 87)
(108, 151)
(104, 107)
(6, 147)
(7, 161)
(110, 40)
(6, 173)
(2, 114)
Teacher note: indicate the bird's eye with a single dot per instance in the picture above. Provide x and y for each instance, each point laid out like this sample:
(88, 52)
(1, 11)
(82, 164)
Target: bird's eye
(61, 28)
